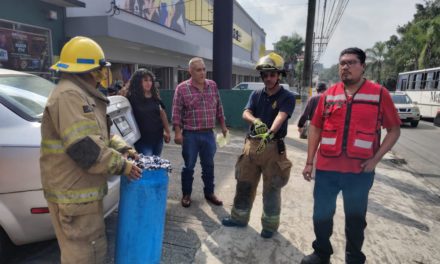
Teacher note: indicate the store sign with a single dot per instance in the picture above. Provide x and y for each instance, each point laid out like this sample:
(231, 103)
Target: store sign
(24, 48)
(168, 13)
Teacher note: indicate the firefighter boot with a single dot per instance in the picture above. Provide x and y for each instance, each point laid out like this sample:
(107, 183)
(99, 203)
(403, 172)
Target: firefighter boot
(230, 222)
(314, 258)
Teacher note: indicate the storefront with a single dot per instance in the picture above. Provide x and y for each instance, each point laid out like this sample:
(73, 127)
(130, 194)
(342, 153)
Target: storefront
(32, 34)
(163, 36)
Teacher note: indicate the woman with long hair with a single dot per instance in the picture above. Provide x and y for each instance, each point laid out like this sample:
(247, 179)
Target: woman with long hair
(149, 112)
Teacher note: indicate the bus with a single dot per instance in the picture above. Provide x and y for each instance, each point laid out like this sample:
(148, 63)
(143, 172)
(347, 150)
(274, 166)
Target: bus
(423, 87)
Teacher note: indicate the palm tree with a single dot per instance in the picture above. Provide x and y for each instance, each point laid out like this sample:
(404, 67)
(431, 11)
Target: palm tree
(376, 56)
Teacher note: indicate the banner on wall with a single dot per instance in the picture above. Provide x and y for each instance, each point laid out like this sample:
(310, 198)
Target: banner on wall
(168, 13)
(24, 48)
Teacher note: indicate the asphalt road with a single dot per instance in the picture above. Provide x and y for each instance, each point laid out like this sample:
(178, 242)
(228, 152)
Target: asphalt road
(418, 148)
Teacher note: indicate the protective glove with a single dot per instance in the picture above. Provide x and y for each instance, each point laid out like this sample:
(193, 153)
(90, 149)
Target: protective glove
(265, 139)
(259, 127)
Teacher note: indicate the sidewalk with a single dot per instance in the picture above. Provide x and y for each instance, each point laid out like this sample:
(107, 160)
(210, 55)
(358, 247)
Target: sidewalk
(403, 216)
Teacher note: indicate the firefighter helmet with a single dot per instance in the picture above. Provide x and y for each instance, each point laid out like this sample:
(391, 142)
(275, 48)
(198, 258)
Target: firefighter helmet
(80, 55)
(270, 62)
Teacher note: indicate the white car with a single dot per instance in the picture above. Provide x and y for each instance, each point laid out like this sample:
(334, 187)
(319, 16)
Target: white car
(254, 86)
(407, 109)
(24, 216)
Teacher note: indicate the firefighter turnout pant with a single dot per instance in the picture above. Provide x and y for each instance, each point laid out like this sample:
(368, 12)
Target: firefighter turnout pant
(275, 169)
(80, 231)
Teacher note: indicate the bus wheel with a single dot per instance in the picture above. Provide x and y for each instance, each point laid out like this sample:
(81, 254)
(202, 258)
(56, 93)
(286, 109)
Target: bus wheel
(414, 123)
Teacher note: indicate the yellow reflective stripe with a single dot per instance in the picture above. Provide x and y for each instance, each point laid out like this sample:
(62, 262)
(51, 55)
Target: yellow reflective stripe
(49, 146)
(116, 164)
(79, 130)
(240, 215)
(117, 143)
(76, 196)
(273, 219)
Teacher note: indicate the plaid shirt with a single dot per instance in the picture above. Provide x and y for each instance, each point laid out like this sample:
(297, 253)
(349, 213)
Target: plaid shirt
(194, 109)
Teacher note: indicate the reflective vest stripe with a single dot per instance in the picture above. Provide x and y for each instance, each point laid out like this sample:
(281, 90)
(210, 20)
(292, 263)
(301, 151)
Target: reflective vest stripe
(51, 147)
(76, 196)
(328, 141)
(339, 97)
(367, 97)
(116, 142)
(116, 164)
(79, 130)
(363, 143)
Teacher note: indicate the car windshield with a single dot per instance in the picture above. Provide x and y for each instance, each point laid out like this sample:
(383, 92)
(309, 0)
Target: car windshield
(401, 99)
(27, 95)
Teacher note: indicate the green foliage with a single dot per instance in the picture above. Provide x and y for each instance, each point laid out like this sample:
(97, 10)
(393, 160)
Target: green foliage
(290, 48)
(415, 46)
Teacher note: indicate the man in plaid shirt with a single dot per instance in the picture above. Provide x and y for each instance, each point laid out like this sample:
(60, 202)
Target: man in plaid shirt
(196, 107)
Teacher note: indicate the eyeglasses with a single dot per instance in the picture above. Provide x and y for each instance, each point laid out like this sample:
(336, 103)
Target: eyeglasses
(264, 75)
(348, 63)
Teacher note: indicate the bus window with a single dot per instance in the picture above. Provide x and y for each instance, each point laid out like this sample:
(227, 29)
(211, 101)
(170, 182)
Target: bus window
(412, 81)
(418, 81)
(436, 83)
(423, 81)
(429, 81)
(403, 85)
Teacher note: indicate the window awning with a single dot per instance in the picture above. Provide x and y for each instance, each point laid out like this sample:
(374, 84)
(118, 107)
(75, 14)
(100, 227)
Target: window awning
(66, 3)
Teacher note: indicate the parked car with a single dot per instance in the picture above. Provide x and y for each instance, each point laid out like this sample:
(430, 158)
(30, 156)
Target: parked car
(254, 86)
(24, 216)
(408, 110)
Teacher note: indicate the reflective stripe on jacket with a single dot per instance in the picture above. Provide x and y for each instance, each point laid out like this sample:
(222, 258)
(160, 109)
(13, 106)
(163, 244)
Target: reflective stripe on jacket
(351, 126)
(76, 113)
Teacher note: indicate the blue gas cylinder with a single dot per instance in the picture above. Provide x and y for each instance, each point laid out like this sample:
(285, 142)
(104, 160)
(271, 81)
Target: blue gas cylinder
(141, 218)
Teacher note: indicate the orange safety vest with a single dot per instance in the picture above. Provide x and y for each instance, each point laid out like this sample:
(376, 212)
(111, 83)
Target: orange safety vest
(351, 126)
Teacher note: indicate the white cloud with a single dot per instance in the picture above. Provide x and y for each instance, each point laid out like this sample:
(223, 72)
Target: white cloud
(364, 22)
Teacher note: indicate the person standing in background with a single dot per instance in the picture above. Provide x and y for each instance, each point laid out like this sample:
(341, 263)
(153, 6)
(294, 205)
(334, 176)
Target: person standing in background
(149, 112)
(310, 110)
(196, 107)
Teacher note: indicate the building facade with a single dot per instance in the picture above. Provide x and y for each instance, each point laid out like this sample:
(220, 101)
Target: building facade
(163, 35)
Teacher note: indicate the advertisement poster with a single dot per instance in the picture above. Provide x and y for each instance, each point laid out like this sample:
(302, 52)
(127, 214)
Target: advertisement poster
(22, 50)
(168, 13)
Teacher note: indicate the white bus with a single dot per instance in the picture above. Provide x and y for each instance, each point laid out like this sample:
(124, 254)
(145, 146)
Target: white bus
(423, 87)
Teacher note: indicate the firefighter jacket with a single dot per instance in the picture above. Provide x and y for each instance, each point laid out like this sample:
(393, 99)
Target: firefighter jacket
(351, 125)
(77, 153)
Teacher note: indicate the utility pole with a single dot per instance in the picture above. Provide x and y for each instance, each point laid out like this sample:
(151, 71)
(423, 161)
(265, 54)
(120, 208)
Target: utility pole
(222, 46)
(307, 70)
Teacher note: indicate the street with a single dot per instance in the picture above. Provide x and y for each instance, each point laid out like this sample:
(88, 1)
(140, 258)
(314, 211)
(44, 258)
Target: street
(403, 215)
(419, 149)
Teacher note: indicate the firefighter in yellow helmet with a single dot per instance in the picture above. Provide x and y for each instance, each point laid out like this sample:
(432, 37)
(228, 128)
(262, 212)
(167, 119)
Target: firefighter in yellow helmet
(264, 153)
(78, 153)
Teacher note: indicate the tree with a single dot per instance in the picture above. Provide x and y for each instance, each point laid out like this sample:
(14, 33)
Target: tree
(290, 48)
(375, 57)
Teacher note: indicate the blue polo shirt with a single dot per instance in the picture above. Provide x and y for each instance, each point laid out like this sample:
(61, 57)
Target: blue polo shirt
(267, 107)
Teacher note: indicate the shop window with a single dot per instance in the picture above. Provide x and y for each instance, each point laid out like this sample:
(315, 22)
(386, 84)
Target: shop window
(25, 48)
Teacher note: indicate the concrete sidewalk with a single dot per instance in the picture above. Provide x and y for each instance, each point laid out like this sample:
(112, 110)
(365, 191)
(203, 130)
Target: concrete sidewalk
(403, 216)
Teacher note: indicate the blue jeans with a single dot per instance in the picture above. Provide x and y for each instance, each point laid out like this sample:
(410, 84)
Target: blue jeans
(355, 188)
(149, 149)
(203, 145)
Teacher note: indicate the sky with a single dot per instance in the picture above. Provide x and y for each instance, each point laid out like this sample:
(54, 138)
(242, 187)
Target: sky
(363, 23)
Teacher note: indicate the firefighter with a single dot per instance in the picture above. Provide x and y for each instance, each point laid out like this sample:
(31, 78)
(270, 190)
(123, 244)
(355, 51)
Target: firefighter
(267, 112)
(78, 153)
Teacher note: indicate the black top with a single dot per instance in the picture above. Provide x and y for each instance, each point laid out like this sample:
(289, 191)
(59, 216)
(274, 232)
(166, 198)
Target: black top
(267, 107)
(147, 114)
(310, 110)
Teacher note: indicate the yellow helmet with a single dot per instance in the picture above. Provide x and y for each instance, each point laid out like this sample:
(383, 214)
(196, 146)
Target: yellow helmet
(80, 55)
(271, 62)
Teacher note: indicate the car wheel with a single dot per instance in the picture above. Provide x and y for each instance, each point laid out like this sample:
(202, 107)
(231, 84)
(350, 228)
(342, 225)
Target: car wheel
(5, 245)
(414, 123)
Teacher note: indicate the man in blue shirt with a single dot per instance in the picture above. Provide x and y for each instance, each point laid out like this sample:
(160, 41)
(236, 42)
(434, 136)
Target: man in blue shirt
(267, 112)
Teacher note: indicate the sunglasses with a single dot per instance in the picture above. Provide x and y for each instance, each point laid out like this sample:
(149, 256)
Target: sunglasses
(264, 75)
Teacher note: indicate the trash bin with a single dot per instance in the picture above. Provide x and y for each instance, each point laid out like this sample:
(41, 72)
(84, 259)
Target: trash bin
(141, 218)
